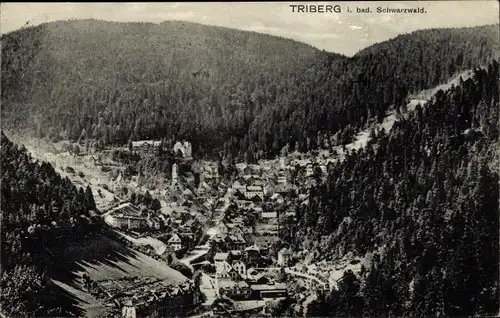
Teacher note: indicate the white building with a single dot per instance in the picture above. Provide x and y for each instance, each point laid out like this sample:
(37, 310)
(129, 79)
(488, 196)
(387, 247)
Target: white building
(324, 169)
(243, 204)
(128, 310)
(175, 175)
(126, 221)
(210, 171)
(185, 149)
(309, 170)
(281, 177)
(146, 143)
(175, 242)
(269, 216)
(283, 162)
(220, 259)
(284, 257)
(253, 191)
(239, 186)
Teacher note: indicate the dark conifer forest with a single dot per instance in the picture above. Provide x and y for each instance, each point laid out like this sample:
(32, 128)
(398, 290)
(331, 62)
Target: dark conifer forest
(37, 208)
(226, 90)
(422, 197)
(428, 193)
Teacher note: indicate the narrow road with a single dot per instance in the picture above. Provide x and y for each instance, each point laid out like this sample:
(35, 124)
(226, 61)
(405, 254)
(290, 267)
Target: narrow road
(289, 270)
(200, 250)
(305, 276)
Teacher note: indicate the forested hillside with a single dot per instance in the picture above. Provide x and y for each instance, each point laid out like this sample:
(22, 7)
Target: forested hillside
(37, 207)
(239, 92)
(116, 81)
(426, 197)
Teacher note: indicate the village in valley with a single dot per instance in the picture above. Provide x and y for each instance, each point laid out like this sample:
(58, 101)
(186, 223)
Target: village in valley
(226, 223)
(225, 226)
(188, 161)
(219, 223)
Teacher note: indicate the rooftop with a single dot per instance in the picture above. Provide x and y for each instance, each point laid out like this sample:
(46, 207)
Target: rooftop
(254, 188)
(221, 256)
(269, 215)
(232, 284)
(126, 209)
(285, 251)
(269, 287)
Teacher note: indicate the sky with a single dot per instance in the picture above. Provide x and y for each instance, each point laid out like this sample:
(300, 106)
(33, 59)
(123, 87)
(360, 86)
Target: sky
(344, 32)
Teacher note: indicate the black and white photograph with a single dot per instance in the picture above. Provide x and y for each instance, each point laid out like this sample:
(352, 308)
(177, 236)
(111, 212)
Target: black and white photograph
(250, 159)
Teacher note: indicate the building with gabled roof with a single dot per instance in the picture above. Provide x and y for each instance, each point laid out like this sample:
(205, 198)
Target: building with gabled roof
(309, 170)
(222, 269)
(282, 179)
(240, 267)
(252, 191)
(175, 242)
(219, 258)
(255, 277)
(284, 257)
(239, 185)
(235, 242)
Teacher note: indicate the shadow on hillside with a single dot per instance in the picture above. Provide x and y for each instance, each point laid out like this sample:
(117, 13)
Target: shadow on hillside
(66, 259)
(99, 256)
(68, 303)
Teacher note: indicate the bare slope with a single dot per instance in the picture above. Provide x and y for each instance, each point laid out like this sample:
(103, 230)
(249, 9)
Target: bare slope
(106, 261)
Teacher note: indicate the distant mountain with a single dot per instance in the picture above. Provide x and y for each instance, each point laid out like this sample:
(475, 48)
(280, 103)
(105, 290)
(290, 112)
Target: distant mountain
(342, 95)
(117, 81)
(226, 90)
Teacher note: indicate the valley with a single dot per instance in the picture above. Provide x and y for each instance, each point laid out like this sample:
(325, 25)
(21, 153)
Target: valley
(224, 173)
(309, 273)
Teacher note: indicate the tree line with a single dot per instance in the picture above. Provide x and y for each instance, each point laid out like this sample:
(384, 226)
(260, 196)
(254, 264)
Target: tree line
(240, 93)
(38, 207)
(424, 200)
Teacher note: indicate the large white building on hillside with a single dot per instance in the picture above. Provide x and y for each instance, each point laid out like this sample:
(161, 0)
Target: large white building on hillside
(185, 148)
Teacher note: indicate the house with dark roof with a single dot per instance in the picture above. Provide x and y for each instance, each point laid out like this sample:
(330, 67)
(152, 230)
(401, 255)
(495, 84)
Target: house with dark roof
(255, 277)
(268, 290)
(235, 242)
(219, 258)
(237, 290)
(240, 267)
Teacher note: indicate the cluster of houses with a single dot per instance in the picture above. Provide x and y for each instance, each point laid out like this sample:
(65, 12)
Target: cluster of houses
(177, 225)
(261, 190)
(237, 279)
(251, 206)
(150, 296)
